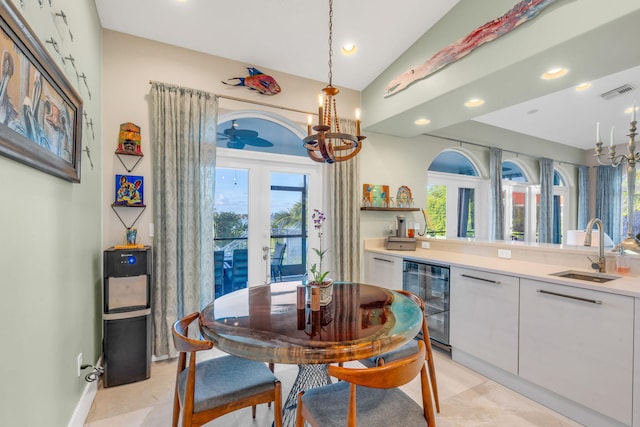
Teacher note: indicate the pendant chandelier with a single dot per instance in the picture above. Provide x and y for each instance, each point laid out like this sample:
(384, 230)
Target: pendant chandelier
(330, 144)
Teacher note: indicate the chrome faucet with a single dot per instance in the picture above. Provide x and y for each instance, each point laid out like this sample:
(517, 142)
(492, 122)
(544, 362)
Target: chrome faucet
(601, 265)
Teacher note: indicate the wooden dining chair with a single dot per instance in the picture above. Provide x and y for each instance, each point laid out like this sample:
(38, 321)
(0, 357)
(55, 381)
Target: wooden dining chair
(209, 389)
(410, 348)
(370, 396)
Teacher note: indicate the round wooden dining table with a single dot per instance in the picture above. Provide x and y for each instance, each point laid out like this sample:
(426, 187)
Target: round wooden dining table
(264, 323)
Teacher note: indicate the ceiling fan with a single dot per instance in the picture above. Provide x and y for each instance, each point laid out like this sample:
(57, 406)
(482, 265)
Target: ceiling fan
(238, 138)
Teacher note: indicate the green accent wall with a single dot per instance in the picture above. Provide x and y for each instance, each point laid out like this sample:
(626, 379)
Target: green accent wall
(50, 247)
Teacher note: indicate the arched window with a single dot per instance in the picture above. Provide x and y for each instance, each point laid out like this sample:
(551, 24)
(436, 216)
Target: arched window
(454, 193)
(453, 162)
(262, 132)
(264, 181)
(512, 172)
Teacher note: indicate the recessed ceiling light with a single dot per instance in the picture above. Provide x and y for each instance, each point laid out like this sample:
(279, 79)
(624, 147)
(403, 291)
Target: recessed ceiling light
(474, 102)
(349, 49)
(583, 86)
(554, 73)
(422, 122)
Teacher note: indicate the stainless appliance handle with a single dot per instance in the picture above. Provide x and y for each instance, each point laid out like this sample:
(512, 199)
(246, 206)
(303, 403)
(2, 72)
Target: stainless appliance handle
(592, 301)
(497, 282)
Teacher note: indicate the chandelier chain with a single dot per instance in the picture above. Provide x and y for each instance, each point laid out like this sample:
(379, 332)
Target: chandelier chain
(330, 40)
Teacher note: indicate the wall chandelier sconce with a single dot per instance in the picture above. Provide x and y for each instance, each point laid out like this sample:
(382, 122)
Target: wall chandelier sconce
(330, 144)
(631, 243)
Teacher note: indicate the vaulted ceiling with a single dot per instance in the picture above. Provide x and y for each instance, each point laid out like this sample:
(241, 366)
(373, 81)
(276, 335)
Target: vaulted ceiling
(291, 36)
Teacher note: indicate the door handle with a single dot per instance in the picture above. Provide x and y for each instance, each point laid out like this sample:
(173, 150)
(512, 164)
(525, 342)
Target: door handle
(497, 282)
(556, 294)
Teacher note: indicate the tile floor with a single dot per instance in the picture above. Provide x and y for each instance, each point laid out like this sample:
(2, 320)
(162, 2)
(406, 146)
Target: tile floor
(466, 399)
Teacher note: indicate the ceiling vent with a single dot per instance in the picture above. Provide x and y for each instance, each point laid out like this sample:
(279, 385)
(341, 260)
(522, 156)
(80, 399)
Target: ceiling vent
(617, 91)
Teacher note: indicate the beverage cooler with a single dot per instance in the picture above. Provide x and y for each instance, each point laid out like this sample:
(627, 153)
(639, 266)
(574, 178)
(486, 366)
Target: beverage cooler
(431, 283)
(126, 317)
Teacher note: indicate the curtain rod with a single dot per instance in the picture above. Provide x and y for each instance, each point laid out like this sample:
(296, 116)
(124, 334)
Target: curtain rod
(508, 151)
(264, 104)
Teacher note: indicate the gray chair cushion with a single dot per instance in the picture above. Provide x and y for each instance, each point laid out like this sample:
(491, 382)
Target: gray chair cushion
(225, 379)
(398, 353)
(375, 407)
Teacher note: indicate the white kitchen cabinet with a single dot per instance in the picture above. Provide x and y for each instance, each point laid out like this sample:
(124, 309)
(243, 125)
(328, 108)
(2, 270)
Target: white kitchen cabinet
(383, 270)
(578, 343)
(484, 316)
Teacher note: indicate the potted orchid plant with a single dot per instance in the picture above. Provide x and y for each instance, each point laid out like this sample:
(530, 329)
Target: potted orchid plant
(319, 277)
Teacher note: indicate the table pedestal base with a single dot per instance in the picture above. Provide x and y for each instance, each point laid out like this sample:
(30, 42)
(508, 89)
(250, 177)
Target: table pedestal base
(309, 376)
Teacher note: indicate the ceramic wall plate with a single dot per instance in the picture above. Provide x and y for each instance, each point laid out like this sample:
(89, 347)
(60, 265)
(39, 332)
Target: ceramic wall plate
(403, 197)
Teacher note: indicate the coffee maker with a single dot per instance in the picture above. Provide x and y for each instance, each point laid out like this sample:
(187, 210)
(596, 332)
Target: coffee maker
(400, 241)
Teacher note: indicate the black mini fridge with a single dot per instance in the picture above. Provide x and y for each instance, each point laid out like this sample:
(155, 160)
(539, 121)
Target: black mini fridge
(126, 317)
(431, 283)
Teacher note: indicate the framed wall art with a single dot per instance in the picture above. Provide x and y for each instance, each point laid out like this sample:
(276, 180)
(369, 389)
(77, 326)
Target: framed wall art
(129, 190)
(40, 111)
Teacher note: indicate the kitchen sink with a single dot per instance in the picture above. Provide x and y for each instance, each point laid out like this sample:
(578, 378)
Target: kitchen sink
(586, 276)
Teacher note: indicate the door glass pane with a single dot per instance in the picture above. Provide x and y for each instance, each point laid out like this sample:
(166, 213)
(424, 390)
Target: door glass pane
(518, 209)
(557, 219)
(436, 212)
(466, 210)
(635, 211)
(231, 212)
(288, 230)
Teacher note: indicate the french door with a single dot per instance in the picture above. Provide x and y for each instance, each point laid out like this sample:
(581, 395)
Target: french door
(260, 205)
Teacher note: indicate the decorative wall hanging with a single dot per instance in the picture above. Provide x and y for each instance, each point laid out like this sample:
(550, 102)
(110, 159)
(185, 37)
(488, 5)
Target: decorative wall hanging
(40, 112)
(129, 139)
(129, 190)
(516, 16)
(257, 80)
(376, 196)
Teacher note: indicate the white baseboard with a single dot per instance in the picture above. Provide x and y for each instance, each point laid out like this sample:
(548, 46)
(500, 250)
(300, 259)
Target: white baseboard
(83, 407)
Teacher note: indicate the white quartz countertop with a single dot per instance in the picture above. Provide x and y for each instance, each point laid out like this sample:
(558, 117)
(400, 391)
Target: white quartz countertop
(624, 285)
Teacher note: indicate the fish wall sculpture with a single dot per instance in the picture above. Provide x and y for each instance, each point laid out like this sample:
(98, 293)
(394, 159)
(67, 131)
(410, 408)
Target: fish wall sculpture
(257, 80)
(522, 12)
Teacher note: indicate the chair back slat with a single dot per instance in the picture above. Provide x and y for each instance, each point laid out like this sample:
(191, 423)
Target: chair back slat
(181, 338)
(391, 375)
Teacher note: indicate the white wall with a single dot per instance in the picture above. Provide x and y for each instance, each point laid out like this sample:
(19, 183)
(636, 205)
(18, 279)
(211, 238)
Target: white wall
(131, 62)
(51, 250)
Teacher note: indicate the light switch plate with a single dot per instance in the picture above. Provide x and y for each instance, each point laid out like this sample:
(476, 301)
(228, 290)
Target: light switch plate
(426, 245)
(504, 253)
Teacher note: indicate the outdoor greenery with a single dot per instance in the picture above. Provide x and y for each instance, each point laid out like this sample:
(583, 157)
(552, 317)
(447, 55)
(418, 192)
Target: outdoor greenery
(288, 219)
(436, 210)
(229, 225)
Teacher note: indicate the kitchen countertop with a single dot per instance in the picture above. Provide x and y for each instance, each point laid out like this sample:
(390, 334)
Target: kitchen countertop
(624, 285)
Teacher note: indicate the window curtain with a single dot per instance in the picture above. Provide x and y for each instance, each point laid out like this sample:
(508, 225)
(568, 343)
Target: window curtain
(495, 179)
(465, 198)
(609, 200)
(557, 210)
(183, 125)
(344, 202)
(545, 220)
(583, 197)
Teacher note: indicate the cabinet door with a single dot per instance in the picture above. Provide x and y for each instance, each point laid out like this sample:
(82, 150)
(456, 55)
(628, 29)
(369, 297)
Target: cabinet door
(383, 270)
(579, 344)
(484, 316)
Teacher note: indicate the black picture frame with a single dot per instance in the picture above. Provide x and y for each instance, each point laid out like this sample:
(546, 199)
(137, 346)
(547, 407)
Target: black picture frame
(40, 111)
